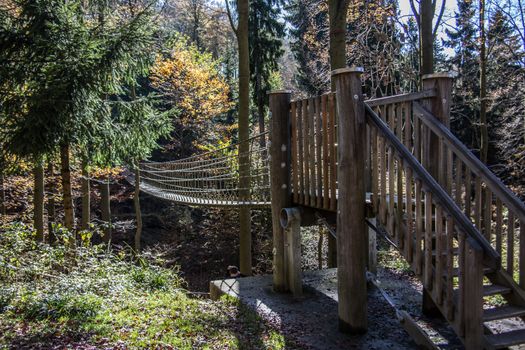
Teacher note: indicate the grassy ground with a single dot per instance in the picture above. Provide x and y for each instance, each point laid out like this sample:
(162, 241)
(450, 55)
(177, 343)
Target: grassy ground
(91, 297)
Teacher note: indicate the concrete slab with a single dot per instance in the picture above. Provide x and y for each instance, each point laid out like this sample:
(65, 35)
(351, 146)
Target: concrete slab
(312, 319)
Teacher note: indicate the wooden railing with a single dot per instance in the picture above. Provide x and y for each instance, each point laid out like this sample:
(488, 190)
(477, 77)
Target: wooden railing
(314, 152)
(434, 235)
(495, 211)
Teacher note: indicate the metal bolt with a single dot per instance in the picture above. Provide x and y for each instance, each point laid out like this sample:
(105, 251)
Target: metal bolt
(283, 164)
(283, 148)
(356, 97)
(284, 186)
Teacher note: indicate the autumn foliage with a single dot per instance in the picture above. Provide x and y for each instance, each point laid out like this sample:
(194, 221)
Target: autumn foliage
(191, 82)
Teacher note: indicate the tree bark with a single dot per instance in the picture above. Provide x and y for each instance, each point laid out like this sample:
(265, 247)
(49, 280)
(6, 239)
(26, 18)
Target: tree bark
(51, 216)
(67, 196)
(337, 11)
(3, 209)
(38, 200)
(426, 37)
(105, 208)
(484, 144)
(138, 214)
(244, 132)
(86, 196)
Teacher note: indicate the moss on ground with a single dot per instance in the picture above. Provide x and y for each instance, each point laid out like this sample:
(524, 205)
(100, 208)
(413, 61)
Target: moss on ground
(52, 297)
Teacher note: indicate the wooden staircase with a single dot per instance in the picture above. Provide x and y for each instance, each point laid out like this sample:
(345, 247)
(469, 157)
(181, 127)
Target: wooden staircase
(449, 225)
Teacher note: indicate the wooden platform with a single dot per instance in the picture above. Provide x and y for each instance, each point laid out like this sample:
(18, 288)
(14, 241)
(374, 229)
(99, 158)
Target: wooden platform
(312, 319)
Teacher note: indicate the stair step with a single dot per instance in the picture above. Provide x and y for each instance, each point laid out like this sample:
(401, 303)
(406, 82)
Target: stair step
(455, 271)
(494, 289)
(504, 340)
(499, 313)
(455, 251)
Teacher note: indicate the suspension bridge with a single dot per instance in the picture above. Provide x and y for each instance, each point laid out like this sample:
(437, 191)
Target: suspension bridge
(212, 178)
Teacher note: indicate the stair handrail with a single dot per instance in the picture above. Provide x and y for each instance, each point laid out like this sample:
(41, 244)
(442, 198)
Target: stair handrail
(474, 163)
(493, 259)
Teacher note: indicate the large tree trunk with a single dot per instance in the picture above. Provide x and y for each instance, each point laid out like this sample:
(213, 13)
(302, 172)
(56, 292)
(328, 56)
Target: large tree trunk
(426, 13)
(105, 208)
(3, 209)
(67, 196)
(138, 214)
(337, 12)
(51, 216)
(86, 196)
(244, 132)
(484, 144)
(38, 200)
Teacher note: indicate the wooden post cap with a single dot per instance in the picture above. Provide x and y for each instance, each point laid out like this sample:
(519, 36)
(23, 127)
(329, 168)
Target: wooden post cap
(446, 75)
(348, 70)
(276, 92)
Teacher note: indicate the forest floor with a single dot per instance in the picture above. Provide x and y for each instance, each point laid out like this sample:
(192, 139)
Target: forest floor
(197, 245)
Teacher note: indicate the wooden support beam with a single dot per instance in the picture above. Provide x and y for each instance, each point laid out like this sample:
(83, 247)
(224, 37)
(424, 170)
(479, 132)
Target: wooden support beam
(291, 223)
(473, 300)
(280, 153)
(352, 236)
(440, 104)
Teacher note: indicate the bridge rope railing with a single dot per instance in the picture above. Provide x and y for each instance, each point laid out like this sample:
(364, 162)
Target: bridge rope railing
(212, 178)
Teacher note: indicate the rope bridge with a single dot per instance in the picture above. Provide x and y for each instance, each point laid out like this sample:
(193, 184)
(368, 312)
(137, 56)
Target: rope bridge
(212, 178)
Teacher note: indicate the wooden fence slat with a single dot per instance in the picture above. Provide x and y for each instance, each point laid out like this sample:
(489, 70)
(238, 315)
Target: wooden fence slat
(468, 192)
(419, 227)
(499, 225)
(319, 158)
(487, 215)
(300, 144)
(417, 138)
(398, 115)
(461, 283)
(522, 254)
(478, 200)
(333, 154)
(458, 192)
(306, 118)
(409, 207)
(311, 142)
(295, 175)
(428, 241)
(383, 169)
(510, 243)
(449, 228)
(325, 157)
(440, 237)
(375, 171)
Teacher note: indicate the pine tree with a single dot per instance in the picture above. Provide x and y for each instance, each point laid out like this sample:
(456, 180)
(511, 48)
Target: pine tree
(266, 32)
(67, 77)
(465, 110)
(505, 91)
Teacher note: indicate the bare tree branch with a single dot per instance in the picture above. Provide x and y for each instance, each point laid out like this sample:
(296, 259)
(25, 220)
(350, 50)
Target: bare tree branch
(230, 18)
(416, 14)
(439, 18)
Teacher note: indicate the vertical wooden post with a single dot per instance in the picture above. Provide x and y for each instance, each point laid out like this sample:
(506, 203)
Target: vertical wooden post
(473, 300)
(439, 105)
(280, 144)
(352, 236)
(372, 247)
(440, 108)
(291, 223)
